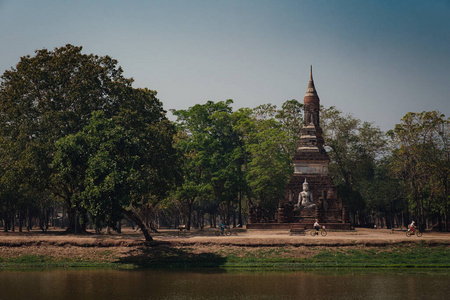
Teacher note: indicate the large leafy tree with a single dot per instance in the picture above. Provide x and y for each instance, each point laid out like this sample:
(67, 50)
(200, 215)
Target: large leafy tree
(354, 148)
(421, 158)
(196, 183)
(270, 138)
(209, 144)
(383, 195)
(120, 166)
(51, 95)
(268, 158)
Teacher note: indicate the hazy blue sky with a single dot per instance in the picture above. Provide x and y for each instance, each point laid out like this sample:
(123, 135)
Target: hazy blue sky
(375, 59)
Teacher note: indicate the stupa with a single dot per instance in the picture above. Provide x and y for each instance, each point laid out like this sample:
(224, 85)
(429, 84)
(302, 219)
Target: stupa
(311, 194)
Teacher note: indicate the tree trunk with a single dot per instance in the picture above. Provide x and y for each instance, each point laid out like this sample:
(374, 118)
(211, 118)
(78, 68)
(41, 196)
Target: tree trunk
(240, 210)
(445, 222)
(136, 219)
(190, 204)
(6, 221)
(74, 225)
(20, 222)
(29, 220)
(119, 226)
(62, 217)
(152, 226)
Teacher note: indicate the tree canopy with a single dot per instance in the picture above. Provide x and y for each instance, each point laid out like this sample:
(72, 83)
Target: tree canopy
(75, 133)
(93, 162)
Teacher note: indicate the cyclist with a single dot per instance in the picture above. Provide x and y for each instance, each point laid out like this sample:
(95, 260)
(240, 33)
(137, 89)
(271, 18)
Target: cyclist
(412, 226)
(221, 227)
(317, 226)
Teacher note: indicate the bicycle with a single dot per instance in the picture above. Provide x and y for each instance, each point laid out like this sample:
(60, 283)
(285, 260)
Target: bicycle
(315, 232)
(225, 231)
(417, 232)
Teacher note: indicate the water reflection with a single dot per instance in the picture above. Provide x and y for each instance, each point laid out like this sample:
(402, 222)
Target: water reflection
(154, 284)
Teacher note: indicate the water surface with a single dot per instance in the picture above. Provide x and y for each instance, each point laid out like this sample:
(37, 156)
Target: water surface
(154, 284)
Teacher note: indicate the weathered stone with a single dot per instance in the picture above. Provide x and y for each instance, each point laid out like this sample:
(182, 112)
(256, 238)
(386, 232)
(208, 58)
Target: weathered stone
(311, 165)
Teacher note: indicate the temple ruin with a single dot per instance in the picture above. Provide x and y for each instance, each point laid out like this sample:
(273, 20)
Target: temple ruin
(310, 194)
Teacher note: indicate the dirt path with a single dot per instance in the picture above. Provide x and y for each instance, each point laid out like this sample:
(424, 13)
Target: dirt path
(130, 238)
(283, 237)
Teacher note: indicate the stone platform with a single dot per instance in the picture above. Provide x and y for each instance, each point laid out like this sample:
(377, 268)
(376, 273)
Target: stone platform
(303, 225)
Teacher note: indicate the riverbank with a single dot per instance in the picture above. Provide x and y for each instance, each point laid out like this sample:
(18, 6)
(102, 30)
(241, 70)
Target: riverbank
(362, 248)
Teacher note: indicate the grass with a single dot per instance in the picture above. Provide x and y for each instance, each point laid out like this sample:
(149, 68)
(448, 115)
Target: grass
(417, 256)
(257, 258)
(48, 262)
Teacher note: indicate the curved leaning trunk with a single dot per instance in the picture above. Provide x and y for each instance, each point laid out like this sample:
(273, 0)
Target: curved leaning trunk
(136, 219)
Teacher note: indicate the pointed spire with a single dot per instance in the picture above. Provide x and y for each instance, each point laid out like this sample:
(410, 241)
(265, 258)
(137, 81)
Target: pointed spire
(311, 90)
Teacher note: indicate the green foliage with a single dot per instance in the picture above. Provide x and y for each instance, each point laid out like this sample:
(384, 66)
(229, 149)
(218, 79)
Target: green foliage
(46, 97)
(120, 158)
(268, 168)
(211, 155)
(229, 154)
(114, 168)
(421, 158)
(72, 128)
(290, 116)
(52, 94)
(355, 151)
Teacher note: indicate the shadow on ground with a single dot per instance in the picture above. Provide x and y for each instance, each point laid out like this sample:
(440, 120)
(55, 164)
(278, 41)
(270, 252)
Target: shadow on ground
(163, 255)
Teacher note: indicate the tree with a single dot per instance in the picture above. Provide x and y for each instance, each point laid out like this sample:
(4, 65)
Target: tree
(195, 181)
(116, 168)
(270, 138)
(20, 183)
(209, 144)
(420, 149)
(268, 166)
(231, 154)
(354, 149)
(291, 119)
(383, 195)
(51, 95)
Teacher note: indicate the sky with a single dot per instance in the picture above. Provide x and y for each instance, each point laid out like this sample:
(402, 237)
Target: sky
(374, 59)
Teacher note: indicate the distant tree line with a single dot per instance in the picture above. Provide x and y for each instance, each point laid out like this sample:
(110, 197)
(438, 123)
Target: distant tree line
(81, 148)
(239, 159)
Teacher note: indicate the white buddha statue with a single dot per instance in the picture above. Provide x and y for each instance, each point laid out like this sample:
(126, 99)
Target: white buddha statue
(305, 198)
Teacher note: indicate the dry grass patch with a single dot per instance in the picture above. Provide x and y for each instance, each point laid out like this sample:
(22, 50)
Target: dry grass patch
(67, 252)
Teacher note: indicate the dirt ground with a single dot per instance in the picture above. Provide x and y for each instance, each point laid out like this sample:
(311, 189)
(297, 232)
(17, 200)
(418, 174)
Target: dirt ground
(243, 237)
(110, 248)
(360, 236)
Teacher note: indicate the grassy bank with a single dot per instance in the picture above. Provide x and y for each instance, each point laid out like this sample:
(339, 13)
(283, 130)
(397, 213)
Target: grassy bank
(30, 262)
(230, 257)
(387, 257)
(417, 256)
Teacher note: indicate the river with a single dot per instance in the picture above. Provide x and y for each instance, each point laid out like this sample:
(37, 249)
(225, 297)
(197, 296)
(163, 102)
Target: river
(215, 284)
